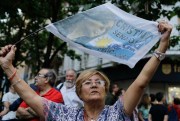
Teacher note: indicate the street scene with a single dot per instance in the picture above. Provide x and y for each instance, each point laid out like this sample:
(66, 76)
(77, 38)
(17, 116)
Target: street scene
(98, 60)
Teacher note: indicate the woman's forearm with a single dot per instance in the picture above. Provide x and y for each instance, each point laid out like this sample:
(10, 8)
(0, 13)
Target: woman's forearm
(7, 54)
(136, 89)
(21, 87)
(24, 91)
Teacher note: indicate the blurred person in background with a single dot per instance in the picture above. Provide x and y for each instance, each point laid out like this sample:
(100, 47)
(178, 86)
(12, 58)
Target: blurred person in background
(144, 108)
(112, 95)
(153, 99)
(68, 90)
(14, 106)
(7, 100)
(159, 112)
(174, 110)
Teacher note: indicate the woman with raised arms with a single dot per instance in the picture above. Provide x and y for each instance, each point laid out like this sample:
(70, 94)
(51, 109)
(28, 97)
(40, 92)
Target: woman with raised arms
(91, 86)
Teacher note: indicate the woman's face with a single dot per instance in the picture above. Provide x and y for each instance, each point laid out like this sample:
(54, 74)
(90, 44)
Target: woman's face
(93, 89)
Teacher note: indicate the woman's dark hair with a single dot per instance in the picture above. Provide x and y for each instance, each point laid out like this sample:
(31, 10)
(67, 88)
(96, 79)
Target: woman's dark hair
(145, 101)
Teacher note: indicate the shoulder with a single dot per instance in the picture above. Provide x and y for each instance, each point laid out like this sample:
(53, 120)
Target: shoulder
(56, 111)
(59, 85)
(6, 96)
(54, 96)
(54, 93)
(115, 112)
(162, 107)
(117, 106)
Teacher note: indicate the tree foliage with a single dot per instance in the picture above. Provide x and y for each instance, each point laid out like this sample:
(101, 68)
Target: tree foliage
(19, 18)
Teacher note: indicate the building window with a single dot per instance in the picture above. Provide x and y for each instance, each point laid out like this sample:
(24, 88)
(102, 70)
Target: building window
(86, 57)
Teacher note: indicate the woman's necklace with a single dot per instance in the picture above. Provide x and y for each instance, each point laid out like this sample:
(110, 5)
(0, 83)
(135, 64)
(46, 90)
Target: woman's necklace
(92, 119)
(88, 118)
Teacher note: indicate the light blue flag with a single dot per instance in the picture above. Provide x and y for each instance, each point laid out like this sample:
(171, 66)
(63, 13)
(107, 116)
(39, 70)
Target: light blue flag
(108, 32)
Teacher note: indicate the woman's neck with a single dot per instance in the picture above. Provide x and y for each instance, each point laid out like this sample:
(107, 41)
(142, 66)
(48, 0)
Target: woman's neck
(92, 111)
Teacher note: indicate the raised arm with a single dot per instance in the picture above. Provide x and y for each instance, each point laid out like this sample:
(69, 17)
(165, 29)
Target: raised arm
(136, 89)
(7, 54)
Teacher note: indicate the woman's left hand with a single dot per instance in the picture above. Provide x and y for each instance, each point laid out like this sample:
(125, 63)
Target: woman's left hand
(165, 28)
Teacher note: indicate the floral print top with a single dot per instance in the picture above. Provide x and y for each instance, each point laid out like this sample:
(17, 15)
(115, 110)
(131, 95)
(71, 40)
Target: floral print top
(59, 112)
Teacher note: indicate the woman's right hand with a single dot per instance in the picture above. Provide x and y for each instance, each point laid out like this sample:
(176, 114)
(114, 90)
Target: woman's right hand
(7, 54)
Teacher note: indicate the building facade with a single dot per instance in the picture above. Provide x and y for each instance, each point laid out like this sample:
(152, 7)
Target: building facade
(166, 79)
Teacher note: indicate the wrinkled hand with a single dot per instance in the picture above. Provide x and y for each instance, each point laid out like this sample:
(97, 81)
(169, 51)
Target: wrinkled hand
(7, 55)
(165, 28)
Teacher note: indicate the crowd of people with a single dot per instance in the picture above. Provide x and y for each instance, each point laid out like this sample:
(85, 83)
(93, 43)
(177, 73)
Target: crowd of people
(152, 107)
(82, 98)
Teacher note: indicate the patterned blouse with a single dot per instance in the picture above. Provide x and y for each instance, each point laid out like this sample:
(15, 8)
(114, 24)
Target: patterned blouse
(59, 112)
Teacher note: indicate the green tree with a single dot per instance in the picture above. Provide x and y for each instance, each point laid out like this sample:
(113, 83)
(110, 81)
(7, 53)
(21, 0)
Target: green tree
(20, 18)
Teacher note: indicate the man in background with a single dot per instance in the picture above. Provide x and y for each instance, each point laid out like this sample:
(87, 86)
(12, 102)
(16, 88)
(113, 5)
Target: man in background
(159, 112)
(44, 81)
(68, 89)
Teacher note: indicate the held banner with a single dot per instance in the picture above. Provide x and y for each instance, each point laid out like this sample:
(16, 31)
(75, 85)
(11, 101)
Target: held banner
(108, 32)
